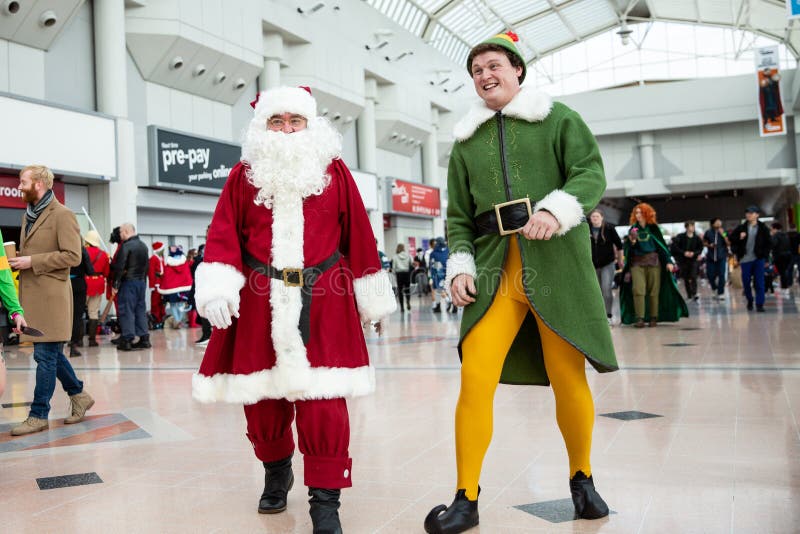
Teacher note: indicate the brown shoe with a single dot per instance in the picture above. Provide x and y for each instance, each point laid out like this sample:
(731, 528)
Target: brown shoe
(639, 324)
(653, 322)
(80, 404)
(29, 426)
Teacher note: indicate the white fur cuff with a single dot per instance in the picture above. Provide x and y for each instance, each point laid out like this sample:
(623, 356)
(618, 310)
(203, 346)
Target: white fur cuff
(459, 263)
(323, 383)
(374, 296)
(564, 207)
(214, 281)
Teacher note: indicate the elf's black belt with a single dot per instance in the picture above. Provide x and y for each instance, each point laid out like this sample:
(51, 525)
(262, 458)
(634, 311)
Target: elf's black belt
(302, 278)
(505, 218)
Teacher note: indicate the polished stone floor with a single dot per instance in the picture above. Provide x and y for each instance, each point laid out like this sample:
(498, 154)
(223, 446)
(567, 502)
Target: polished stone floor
(700, 435)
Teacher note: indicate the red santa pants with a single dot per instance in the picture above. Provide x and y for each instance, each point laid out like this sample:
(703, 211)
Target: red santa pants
(157, 306)
(323, 429)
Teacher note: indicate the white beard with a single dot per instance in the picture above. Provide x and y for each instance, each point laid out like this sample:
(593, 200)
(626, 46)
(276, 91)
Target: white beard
(289, 164)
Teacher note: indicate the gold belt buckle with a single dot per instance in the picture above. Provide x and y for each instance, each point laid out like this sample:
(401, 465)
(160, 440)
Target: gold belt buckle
(497, 207)
(288, 272)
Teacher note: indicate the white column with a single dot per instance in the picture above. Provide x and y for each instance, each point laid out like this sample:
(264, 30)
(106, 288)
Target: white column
(368, 153)
(430, 166)
(270, 76)
(114, 203)
(646, 144)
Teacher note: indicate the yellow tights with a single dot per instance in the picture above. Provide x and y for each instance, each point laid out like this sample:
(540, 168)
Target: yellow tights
(483, 355)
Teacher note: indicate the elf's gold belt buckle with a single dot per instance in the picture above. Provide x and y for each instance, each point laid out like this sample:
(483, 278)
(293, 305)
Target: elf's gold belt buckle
(292, 277)
(498, 207)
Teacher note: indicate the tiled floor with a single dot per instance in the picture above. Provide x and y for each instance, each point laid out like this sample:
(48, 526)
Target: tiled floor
(723, 457)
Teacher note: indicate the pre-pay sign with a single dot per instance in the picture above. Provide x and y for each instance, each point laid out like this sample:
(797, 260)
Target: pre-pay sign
(172, 155)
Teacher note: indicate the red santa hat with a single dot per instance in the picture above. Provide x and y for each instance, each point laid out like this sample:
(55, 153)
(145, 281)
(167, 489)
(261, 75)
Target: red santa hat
(296, 100)
(158, 246)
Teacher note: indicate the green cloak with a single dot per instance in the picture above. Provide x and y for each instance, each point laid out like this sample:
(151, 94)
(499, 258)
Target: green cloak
(544, 151)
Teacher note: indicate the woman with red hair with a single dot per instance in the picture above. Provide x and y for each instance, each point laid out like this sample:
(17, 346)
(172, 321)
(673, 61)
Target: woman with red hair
(648, 268)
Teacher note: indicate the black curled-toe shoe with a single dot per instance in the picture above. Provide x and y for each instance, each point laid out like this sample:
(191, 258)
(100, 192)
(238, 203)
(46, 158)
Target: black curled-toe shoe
(460, 516)
(278, 480)
(588, 503)
(324, 510)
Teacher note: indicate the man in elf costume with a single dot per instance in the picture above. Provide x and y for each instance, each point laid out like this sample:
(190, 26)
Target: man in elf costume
(523, 172)
(290, 275)
(154, 274)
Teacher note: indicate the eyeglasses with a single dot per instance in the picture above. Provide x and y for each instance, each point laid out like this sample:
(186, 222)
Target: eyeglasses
(278, 123)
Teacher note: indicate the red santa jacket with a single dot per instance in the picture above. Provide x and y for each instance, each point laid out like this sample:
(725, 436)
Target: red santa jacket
(177, 277)
(262, 355)
(96, 284)
(155, 271)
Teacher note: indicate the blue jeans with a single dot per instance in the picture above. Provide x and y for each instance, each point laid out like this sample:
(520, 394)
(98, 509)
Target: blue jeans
(716, 271)
(753, 269)
(133, 311)
(51, 364)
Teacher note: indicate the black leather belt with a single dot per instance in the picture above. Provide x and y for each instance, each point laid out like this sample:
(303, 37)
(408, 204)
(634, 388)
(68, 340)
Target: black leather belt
(512, 216)
(302, 278)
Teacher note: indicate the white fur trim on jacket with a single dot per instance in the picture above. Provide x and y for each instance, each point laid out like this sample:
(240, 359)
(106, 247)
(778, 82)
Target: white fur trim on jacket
(529, 105)
(323, 383)
(174, 261)
(282, 100)
(173, 290)
(214, 281)
(459, 263)
(374, 296)
(564, 207)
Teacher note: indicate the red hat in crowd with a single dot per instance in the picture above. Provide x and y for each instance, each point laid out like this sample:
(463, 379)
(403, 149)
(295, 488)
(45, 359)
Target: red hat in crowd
(158, 246)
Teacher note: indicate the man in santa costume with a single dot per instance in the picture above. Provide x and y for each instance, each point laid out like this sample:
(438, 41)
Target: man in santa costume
(175, 285)
(290, 275)
(154, 274)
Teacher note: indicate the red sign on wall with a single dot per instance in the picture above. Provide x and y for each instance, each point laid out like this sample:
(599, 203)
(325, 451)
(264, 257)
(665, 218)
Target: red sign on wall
(11, 196)
(415, 199)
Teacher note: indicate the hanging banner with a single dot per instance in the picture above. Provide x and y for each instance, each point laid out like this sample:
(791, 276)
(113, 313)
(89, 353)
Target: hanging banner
(413, 198)
(793, 9)
(771, 120)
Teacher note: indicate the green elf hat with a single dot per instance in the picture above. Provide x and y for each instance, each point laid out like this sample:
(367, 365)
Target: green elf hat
(506, 40)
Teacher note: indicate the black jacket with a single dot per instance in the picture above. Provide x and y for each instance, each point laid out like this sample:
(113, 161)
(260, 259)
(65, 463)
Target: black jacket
(780, 245)
(77, 273)
(683, 243)
(763, 241)
(603, 245)
(131, 261)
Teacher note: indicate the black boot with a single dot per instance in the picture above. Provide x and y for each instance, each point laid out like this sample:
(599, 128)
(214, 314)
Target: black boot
(324, 510)
(92, 332)
(278, 480)
(460, 516)
(588, 503)
(143, 343)
(437, 308)
(73, 352)
(125, 344)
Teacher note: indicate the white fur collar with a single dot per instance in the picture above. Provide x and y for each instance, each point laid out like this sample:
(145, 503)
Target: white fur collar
(529, 105)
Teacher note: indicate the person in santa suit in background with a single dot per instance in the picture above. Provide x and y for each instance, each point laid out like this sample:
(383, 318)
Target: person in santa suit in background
(154, 274)
(290, 219)
(175, 285)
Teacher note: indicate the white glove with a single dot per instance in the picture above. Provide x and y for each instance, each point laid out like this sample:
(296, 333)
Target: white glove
(219, 312)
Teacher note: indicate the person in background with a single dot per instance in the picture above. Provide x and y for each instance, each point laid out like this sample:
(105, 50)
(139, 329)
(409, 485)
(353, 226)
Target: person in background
(782, 256)
(130, 284)
(752, 244)
(606, 256)
(687, 247)
(11, 309)
(716, 240)
(96, 283)
(155, 271)
(648, 272)
(176, 283)
(204, 324)
(794, 245)
(77, 278)
(50, 245)
(401, 265)
(438, 266)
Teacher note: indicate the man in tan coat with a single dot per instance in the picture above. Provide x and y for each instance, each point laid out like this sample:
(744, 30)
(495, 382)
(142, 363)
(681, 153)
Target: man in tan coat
(50, 245)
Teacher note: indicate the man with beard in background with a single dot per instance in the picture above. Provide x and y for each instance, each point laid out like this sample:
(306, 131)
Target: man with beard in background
(290, 219)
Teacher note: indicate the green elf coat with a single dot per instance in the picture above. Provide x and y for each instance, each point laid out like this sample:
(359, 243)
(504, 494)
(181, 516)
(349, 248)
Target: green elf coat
(671, 306)
(542, 150)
